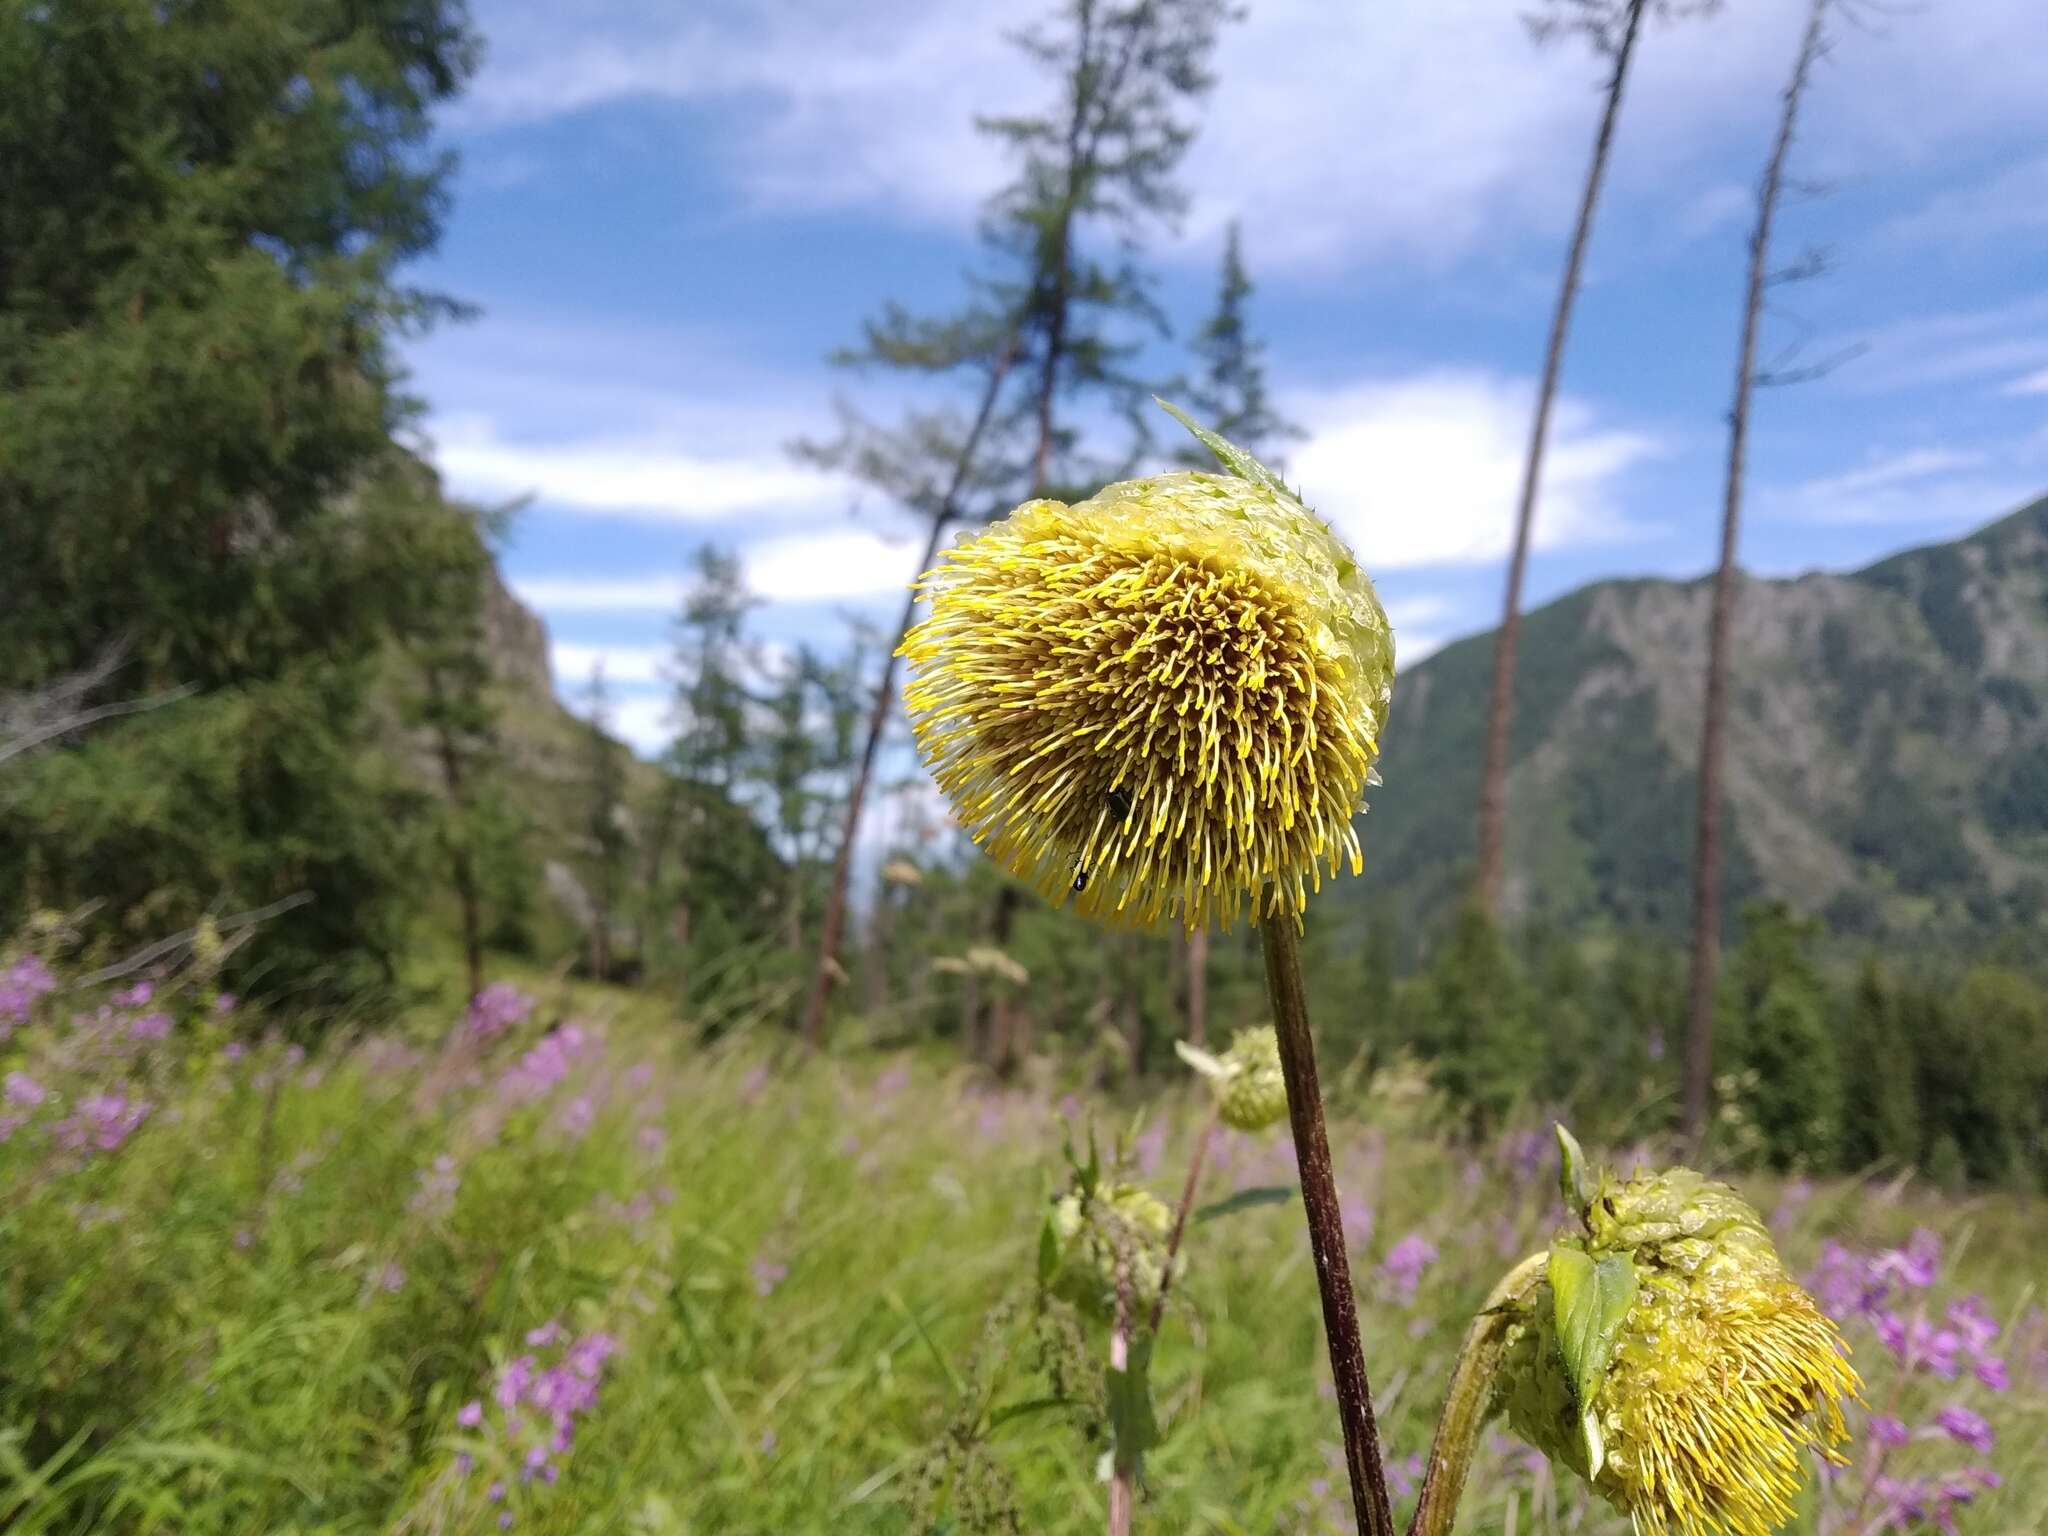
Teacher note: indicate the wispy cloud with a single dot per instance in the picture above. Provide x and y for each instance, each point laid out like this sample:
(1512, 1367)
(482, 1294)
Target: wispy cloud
(2032, 384)
(1941, 489)
(574, 663)
(633, 478)
(1424, 471)
(1326, 132)
(599, 594)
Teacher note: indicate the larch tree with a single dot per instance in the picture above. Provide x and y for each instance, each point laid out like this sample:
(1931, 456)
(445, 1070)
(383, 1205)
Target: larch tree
(1056, 320)
(1706, 875)
(1612, 28)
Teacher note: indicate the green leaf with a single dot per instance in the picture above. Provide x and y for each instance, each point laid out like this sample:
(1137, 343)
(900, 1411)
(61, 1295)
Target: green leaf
(1133, 1429)
(1573, 1179)
(1592, 1299)
(1228, 454)
(1048, 1253)
(1246, 1199)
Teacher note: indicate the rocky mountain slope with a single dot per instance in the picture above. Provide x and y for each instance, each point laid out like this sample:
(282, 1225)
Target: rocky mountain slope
(1888, 749)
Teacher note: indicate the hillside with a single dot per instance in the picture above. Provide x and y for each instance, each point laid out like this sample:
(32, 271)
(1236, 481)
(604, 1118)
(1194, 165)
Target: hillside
(1888, 749)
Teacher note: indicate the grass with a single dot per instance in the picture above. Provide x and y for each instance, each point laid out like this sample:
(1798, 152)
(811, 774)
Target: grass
(259, 1315)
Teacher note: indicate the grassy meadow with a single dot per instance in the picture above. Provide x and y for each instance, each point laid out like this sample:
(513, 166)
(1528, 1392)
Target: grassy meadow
(577, 1271)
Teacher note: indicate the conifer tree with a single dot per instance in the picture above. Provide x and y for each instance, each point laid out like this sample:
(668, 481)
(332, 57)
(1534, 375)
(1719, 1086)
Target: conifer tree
(1054, 319)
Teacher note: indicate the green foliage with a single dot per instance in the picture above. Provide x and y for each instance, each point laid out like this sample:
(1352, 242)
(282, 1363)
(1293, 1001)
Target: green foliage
(225, 804)
(206, 211)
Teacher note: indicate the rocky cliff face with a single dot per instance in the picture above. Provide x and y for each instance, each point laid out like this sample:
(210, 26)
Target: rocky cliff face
(1888, 748)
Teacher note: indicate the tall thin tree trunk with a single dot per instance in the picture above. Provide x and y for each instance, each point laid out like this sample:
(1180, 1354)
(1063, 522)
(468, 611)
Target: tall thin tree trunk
(834, 921)
(1493, 786)
(1706, 870)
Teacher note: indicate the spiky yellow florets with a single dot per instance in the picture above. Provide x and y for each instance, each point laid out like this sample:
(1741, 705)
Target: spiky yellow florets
(1164, 700)
(1718, 1377)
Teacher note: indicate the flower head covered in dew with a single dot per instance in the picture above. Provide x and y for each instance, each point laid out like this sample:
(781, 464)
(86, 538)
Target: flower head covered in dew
(1668, 1358)
(1251, 1093)
(1165, 700)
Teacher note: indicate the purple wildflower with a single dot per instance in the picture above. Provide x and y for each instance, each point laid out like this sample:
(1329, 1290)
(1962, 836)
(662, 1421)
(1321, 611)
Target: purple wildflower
(226, 1004)
(24, 1091)
(1917, 1264)
(1888, 1431)
(137, 996)
(151, 1026)
(1966, 1426)
(496, 1009)
(20, 985)
(1406, 1263)
(1991, 1370)
(102, 1121)
(767, 1275)
(470, 1414)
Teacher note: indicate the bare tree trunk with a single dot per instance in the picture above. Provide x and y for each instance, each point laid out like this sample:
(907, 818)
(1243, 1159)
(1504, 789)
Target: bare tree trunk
(1493, 786)
(834, 922)
(1706, 872)
(1198, 986)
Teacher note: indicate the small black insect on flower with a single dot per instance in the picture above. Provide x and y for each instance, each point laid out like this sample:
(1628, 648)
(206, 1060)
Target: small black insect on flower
(1120, 808)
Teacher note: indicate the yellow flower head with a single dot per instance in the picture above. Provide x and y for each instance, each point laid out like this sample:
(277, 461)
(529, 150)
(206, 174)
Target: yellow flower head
(1163, 700)
(1669, 1359)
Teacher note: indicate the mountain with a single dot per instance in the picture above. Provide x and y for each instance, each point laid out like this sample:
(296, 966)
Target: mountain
(1887, 750)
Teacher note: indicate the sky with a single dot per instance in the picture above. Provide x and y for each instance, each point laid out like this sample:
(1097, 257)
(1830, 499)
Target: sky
(668, 215)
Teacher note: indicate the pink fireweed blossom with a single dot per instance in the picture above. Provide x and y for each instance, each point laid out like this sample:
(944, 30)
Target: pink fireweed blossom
(1406, 1263)
(496, 1009)
(102, 1121)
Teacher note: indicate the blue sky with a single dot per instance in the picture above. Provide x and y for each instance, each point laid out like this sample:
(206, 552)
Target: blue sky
(668, 214)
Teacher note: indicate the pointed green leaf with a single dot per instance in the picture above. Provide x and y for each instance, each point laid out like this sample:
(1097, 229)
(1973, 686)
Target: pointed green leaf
(1592, 1300)
(1048, 1253)
(1245, 1199)
(1228, 454)
(1573, 1178)
(1133, 1428)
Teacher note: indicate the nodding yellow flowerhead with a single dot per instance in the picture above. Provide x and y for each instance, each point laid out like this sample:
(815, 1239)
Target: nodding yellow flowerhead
(1669, 1359)
(1251, 1091)
(1165, 700)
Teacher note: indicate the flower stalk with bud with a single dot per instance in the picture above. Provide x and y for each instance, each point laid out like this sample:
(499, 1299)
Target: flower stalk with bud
(1164, 704)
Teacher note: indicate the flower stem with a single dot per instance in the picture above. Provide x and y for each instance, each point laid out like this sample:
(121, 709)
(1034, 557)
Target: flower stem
(1465, 1404)
(1325, 1227)
(1120, 1476)
(1180, 1220)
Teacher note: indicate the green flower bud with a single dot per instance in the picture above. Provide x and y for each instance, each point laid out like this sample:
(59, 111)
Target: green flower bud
(1251, 1093)
(1088, 1234)
(1669, 1359)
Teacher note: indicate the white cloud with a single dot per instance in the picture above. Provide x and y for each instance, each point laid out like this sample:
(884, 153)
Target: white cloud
(600, 594)
(1940, 489)
(573, 663)
(831, 563)
(2032, 384)
(1416, 129)
(1952, 347)
(641, 720)
(2012, 204)
(636, 478)
(1425, 471)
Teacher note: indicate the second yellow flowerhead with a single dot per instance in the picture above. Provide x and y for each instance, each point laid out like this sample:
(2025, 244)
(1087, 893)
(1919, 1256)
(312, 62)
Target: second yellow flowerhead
(1163, 701)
